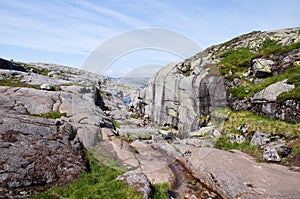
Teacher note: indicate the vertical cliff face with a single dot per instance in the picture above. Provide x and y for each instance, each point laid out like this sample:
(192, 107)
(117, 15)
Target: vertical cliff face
(180, 98)
(181, 94)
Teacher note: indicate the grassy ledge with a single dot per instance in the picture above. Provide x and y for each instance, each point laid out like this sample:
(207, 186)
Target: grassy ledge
(239, 60)
(100, 183)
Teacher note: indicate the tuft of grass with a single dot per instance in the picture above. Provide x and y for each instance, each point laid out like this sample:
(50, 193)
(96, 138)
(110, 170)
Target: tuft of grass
(51, 115)
(296, 149)
(235, 60)
(160, 191)
(273, 48)
(134, 116)
(15, 82)
(115, 123)
(223, 143)
(134, 149)
(98, 183)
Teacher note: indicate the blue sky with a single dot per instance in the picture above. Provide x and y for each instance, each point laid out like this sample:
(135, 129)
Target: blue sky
(67, 31)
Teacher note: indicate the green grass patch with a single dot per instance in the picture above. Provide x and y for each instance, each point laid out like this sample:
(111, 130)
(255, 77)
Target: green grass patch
(116, 124)
(35, 69)
(235, 60)
(296, 149)
(273, 48)
(239, 60)
(223, 143)
(98, 183)
(293, 94)
(15, 82)
(160, 191)
(249, 89)
(134, 116)
(51, 115)
(259, 123)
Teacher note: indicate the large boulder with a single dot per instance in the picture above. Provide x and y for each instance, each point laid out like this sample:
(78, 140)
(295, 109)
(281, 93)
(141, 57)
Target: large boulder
(36, 155)
(262, 67)
(271, 92)
(180, 99)
(138, 181)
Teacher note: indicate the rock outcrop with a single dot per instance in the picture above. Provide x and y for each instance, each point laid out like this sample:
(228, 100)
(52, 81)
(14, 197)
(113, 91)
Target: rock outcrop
(46, 123)
(237, 175)
(37, 154)
(175, 98)
(182, 94)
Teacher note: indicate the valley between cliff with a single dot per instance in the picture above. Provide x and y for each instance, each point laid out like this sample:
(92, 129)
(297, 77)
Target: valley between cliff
(222, 124)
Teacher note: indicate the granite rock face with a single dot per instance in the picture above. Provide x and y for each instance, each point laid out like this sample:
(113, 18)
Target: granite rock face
(180, 94)
(175, 98)
(237, 175)
(37, 154)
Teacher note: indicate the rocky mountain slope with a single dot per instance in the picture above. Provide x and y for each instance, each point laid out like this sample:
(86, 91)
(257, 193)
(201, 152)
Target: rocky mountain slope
(240, 73)
(200, 127)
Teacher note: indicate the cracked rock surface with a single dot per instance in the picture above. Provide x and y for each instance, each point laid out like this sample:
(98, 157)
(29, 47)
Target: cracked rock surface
(36, 155)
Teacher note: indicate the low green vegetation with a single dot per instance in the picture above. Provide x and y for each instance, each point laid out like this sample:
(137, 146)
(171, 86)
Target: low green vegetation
(15, 82)
(101, 182)
(259, 123)
(296, 149)
(116, 124)
(249, 89)
(254, 123)
(239, 60)
(98, 183)
(51, 115)
(134, 116)
(35, 69)
(235, 60)
(273, 48)
(224, 144)
(160, 191)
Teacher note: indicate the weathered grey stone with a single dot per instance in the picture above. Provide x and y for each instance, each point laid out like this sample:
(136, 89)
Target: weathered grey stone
(179, 100)
(138, 181)
(236, 138)
(36, 155)
(243, 128)
(279, 147)
(271, 155)
(47, 87)
(259, 139)
(262, 67)
(270, 93)
(208, 131)
(237, 175)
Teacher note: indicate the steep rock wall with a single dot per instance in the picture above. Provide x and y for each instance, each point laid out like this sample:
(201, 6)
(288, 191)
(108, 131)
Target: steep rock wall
(181, 93)
(173, 98)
